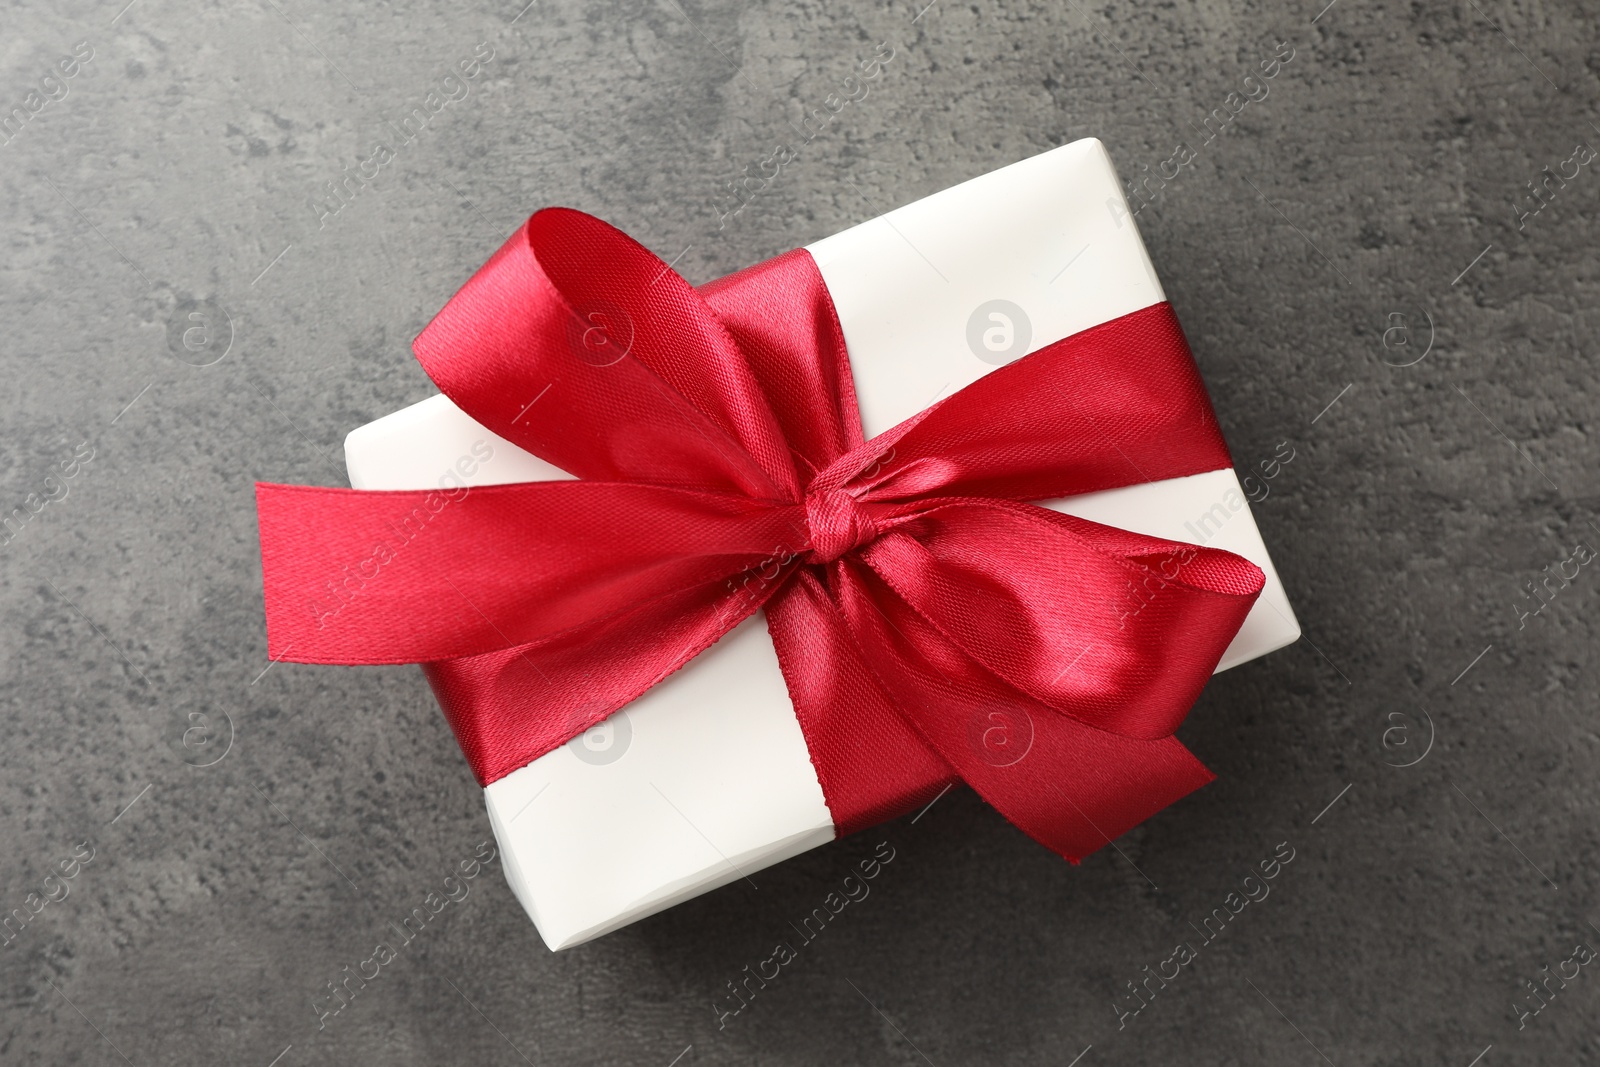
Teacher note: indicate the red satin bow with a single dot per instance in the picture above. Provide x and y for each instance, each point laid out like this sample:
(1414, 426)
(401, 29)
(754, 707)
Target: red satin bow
(931, 624)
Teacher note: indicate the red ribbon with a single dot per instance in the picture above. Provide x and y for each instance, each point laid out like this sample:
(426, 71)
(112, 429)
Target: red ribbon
(931, 624)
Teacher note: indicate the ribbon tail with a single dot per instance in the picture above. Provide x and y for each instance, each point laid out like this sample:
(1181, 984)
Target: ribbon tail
(355, 576)
(1069, 786)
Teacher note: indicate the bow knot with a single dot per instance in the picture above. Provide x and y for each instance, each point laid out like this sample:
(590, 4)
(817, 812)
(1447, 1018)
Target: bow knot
(838, 524)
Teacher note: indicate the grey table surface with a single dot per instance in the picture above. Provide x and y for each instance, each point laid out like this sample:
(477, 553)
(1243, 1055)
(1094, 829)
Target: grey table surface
(1364, 271)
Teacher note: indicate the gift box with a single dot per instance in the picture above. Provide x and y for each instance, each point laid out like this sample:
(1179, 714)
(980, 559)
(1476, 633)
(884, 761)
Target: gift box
(707, 777)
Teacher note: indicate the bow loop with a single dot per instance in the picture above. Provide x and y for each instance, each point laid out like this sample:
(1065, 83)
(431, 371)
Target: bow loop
(1114, 629)
(578, 344)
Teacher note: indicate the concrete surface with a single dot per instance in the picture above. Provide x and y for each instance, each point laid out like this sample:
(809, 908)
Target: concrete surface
(171, 185)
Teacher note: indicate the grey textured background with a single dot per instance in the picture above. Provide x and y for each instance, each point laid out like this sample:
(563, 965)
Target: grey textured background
(177, 177)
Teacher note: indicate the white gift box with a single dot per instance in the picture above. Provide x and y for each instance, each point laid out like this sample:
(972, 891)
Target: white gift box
(706, 778)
